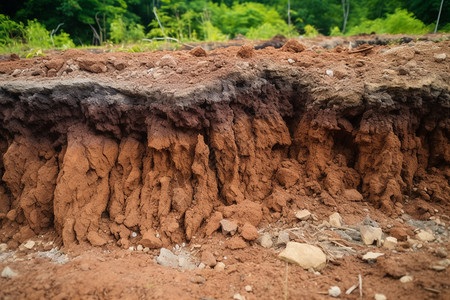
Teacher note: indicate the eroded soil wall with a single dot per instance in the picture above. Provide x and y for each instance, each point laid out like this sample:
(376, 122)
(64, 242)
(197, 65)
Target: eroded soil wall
(94, 161)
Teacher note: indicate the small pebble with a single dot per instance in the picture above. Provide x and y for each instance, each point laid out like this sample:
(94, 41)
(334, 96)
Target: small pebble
(380, 297)
(334, 291)
(248, 288)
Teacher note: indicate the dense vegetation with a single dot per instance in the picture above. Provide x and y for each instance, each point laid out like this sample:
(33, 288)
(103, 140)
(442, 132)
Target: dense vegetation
(63, 23)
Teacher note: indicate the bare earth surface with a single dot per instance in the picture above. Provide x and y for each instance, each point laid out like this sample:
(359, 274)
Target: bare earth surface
(182, 175)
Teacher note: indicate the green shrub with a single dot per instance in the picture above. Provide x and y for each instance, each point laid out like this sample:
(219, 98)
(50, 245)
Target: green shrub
(267, 31)
(401, 21)
(310, 31)
(37, 36)
(121, 32)
(10, 31)
(335, 31)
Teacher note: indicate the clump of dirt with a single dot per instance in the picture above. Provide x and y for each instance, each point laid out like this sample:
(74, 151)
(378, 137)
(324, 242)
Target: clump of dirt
(293, 46)
(156, 149)
(198, 52)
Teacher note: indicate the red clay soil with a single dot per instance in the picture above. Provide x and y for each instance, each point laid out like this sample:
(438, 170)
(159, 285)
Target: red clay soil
(105, 152)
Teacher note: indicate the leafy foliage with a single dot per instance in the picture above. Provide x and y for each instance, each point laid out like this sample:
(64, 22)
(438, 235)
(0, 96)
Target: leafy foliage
(400, 22)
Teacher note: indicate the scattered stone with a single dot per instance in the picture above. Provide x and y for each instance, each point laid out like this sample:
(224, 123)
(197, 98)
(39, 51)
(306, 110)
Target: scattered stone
(29, 245)
(283, 238)
(208, 258)
(198, 52)
(246, 51)
(334, 291)
(440, 252)
(238, 297)
(16, 72)
(266, 240)
(371, 256)
(146, 250)
(352, 195)
(248, 288)
(380, 297)
(167, 259)
(438, 268)
(220, 266)
(291, 61)
(329, 73)
(150, 240)
(236, 242)
(3, 247)
(139, 248)
(228, 227)
(303, 214)
(197, 279)
(390, 243)
(8, 273)
(406, 278)
(167, 60)
(307, 256)
(336, 220)
(425, 236)
(293, 46)
(370, 234)
(440, 57)
(249, 232)
(95, 239)
(368, 221)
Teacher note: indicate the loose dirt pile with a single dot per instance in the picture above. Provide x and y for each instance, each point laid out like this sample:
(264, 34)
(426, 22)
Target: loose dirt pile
(152, 150)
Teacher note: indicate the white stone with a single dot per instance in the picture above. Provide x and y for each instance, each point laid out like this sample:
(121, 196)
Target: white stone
(167, 60)
(3, 247)
(201, 266)
(266, 240)
(390, 243)
(167, 259)
(283, 238)
(370, 234)
(220, 266)
(29, 245)
(8, 273)
(440, 57)
(248, 288)
(406, 278)
(371, 256)
(329, 73)
(228, 227)
(146, 249)
(291, 61)
(303, 214)
(139, 248)
(380, 297)
(306, 256)
(334, 291)
(336, 220)
(238, 297)
(425, 236)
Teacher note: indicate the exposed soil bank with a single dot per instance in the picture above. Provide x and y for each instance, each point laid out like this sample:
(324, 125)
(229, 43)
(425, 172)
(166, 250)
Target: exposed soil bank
(169, 158)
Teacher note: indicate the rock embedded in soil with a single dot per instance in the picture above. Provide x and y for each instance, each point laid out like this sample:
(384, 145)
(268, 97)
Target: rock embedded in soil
(406, 279)
(390, 243)
(370, 235)
(228, 227)
(266, 240)
(220, 266)
(8, 273)
(380, 297)
(425, 236)
(29, 245)
(167, 61)
(305, 255)
(371, 256)
(334, 291)
(303, 214)
(167, 259)
(335, 220)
